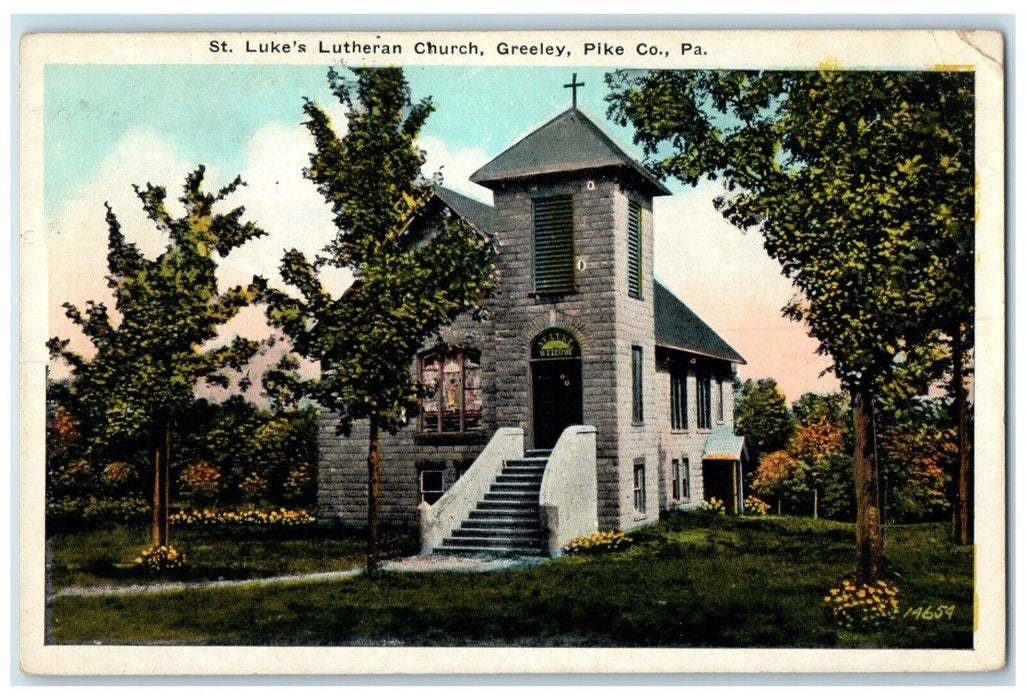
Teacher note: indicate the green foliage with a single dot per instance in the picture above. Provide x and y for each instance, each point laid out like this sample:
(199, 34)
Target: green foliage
(239, 438)
(763, 418)
(407, 286)
(861, 184)
(139, 383)
(146, 366)
(688, 581)
(254, 548)
(74, 514)
(917, 457)
(418, 266)
(815, 463)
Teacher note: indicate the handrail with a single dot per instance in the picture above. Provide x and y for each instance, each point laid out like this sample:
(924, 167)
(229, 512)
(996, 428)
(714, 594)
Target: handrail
(438, 521)
(569, 489)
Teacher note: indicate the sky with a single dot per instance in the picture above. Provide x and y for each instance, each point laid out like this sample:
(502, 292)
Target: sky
(107, 128)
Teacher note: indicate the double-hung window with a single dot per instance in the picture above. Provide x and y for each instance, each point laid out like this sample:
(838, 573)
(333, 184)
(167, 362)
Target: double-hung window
(678, 399)
(639, 485)
(704, 402)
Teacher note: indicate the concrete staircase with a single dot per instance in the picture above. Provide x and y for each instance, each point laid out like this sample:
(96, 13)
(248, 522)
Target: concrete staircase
(506, 522)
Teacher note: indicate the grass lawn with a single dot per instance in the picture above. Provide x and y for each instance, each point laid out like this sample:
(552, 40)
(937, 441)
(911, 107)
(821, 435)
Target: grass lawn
(688, 581)
(108, 556)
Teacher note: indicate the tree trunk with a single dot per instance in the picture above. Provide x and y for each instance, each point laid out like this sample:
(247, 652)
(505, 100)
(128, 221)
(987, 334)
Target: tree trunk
(963, 512)
(161, 487)
(372, 498)
(868, 523)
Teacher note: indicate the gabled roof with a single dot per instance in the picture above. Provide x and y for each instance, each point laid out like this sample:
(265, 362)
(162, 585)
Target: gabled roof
(722, 443)
(677, 326)
(478, 214)
(569, 142)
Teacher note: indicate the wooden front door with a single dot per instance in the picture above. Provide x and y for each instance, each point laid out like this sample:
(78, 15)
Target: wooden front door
(558, 401)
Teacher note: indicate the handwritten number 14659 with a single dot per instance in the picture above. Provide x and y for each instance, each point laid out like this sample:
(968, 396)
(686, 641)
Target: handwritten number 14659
(930, 612)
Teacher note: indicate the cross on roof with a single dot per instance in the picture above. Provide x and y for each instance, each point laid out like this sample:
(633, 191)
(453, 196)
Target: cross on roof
(573, 85)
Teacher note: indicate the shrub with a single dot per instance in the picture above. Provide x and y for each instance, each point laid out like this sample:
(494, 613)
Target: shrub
(756, 506)
(253, 486)
(607, 541)
(714, 505)
(862, 608)
(200, 479)
(117, 473)
(159, 559)
(73, 514)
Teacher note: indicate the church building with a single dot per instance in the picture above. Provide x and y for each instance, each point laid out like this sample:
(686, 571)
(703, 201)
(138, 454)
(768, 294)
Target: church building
(589, 397)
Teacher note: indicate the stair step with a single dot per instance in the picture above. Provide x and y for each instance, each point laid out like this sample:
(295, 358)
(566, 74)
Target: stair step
(498, 517)
(490, 551)
(518, 487)
(477, 529)
(508, 542)
(532, 478)
(505, 522)
(528, 462)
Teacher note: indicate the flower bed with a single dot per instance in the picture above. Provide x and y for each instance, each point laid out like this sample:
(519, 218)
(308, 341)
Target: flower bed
(862, 608)
(608, 541)
(280, 517)
(159, 559)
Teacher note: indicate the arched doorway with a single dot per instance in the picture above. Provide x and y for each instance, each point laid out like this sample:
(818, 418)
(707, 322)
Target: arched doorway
(556, 385)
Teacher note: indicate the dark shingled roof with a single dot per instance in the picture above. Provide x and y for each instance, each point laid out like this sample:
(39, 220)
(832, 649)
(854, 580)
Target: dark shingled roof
(478, 214)
(677, 326)
(569, 142)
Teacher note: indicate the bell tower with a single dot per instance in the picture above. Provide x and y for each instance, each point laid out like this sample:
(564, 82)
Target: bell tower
(574, 314)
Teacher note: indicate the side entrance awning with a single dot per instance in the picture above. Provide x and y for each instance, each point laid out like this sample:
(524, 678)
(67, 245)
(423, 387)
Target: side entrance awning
(723, 444)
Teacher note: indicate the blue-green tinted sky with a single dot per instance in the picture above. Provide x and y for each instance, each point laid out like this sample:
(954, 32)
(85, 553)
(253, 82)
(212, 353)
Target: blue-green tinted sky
(208, 113)
(108, 127)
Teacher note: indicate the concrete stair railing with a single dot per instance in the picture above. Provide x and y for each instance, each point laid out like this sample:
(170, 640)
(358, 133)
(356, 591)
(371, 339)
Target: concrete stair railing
(569, 489)
(438, 521)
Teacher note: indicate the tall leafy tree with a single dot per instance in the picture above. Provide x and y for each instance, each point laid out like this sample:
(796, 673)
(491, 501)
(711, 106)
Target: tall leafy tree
(150, 356)
(763, 418)
(407, 286)
(856, 182)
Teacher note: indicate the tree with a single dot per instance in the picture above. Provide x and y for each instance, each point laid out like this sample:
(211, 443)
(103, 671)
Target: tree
(142, 376)
(763, 418)
(917, 451)
(856, 181)
(407, 285)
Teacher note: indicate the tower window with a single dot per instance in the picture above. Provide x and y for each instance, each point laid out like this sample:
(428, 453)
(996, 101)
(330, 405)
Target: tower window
(553, 244)
(634, 249)
(638, 409)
